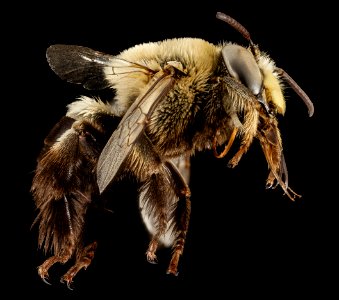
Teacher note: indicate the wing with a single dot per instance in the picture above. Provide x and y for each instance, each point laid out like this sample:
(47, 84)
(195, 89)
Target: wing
(93, 69)
(131, 126)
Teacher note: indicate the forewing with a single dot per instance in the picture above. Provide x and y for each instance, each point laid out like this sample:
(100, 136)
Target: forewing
(131, 126)
(93, 69)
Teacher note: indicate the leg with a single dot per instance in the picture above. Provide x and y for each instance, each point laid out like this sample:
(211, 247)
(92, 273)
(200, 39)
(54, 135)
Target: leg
(155, 201)
(59, 258)
(65, 183)
(83, 260)
(181, 217)
(165, 209)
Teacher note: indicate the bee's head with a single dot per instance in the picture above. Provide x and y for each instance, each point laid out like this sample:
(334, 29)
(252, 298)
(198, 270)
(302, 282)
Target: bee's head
(258, 72)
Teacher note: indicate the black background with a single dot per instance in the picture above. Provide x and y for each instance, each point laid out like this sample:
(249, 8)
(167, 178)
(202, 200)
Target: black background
(243, 239)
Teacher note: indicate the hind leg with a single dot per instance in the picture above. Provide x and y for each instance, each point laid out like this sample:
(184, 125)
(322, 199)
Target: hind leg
(61, 257)
(83, 260)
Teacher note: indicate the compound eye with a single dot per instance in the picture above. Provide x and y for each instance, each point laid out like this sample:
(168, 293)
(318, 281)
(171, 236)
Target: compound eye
(241, 65)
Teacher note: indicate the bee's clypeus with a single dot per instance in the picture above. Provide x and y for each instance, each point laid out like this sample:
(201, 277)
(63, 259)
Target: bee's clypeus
(172, 99)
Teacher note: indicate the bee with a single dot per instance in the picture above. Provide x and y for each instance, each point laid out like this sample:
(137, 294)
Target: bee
(172, 98)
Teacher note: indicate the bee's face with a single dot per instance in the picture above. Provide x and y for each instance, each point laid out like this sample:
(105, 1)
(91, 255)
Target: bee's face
(257, 74)
(272, 85)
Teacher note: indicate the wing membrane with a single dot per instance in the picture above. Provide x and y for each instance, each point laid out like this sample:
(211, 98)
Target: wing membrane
(93, 69)
(131, 126)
